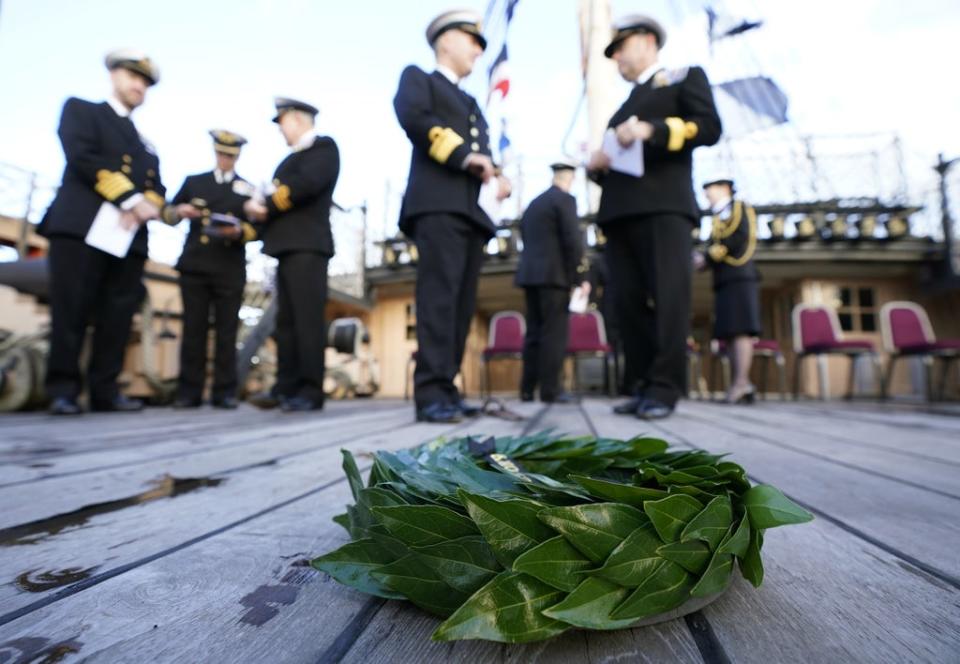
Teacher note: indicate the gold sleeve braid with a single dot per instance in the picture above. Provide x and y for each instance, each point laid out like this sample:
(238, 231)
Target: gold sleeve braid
(249, 232)
(281, 198)
(723, 229)
(155, 198)
(112, 185)
(443, 141)
(680, 133)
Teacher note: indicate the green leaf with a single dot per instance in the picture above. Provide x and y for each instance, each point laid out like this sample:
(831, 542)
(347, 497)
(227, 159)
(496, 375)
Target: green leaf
(617, 492)
(421, 525)
(554, 562)
(352, 564)
(634, 559)
(711, 524)
(717, 576)
(344, 521)
(667, 588)
(738, 539)
(413, 577)
(751, 565)
(378, 497)
(465, 563)
(510, 527)
(597, 529)
(641, 448)
(670, 515)
(692, 556)
(353, 474)
(508, 609)
(768, 508)
(589, 606)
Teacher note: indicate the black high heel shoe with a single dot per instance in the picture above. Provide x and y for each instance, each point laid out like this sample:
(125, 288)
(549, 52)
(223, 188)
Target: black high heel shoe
(746, 396)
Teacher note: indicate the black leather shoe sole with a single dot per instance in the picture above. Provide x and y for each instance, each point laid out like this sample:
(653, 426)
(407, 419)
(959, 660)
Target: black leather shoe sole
(64, 407)
(627, 408)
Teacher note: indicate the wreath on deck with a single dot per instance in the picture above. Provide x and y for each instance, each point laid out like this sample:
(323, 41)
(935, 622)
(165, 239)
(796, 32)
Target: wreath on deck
(518, 539)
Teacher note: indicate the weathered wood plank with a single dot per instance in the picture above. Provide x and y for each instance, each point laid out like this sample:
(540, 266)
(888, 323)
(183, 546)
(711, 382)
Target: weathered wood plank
(110, 540)
(181, 446)
(880, 456)
(237, 596)
(827, 595)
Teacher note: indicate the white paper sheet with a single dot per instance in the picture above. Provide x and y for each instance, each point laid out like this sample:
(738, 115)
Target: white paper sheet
(106, 233)
(579, 301)
(628, 159)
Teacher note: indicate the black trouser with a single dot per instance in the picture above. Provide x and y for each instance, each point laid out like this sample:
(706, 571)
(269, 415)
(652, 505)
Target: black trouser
(88, 285)
(546, 340)
(301, 331)
(451, 253)
(650, 265)
(223, 293)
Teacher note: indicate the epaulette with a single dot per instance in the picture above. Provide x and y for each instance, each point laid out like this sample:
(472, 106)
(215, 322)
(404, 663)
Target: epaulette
(666, 77)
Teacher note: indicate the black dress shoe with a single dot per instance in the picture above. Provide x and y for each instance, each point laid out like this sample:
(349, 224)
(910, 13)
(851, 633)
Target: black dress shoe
(526, 397)
(65, 406)
(563, 398)
(467, 410)
(181, 403)
(651, 409)
(119, 404)
(628, 407)
(226, 403)
(439, 413)
(300, 405)
(266, 400)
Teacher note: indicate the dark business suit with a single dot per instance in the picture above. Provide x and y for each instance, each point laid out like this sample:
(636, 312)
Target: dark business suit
(552, 251)
(297, 233)
(212, 276)
(647, 222)
(106, 161)
(440, 212)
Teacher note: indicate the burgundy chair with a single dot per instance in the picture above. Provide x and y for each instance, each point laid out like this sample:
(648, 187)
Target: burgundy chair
(816, 332)
(505, 340)
(767, 350)
(907, 332)
(588, 338)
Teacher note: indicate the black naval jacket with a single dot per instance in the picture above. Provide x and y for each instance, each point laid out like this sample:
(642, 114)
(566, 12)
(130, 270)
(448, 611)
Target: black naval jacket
(106, 161)
(203, 253)
(733, 242)
(679, 105)
(552, 242)
(298, 212)
(444, 124)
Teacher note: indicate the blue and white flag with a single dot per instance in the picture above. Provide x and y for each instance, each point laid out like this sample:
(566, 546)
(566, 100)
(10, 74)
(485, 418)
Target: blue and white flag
(749, 104)
(721, 26)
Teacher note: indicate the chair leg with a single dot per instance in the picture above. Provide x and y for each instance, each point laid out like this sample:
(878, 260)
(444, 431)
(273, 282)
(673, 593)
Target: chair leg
(485, 380)
(851, 378)
(697, 375)
(763, 375)
(725, 367)
(942, 383)
(406, 381)
(928, 376)
(823, 375)
(781, 363)
(878, 374)
(888, 378)
(576, 375)
(714, 360)
(797, 371)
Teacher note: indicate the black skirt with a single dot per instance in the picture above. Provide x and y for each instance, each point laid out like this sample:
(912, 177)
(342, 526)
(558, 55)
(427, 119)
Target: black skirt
(737, 310)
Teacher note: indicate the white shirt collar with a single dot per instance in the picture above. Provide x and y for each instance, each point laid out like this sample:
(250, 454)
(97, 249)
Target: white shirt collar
(118, 107)
(305, 141)
(449, 74)
(722, 205)
(648, 73)
(222, 177)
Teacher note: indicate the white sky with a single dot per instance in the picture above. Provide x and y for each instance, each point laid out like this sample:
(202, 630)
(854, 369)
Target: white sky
(848, 67)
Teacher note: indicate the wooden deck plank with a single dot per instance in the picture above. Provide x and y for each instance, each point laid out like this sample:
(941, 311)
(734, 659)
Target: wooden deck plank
(827, 595)
(880, 456)
(238, 596)
(270, 427)
(889, 512)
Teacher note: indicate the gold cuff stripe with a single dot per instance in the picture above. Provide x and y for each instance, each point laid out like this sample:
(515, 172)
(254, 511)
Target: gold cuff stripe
(281, 198)
(249, 232)
(111, 185)
(680, 133)
(154, 198)
(443, 141)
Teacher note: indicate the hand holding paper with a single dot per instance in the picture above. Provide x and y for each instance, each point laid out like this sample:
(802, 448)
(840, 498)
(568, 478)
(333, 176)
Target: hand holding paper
(625, 159)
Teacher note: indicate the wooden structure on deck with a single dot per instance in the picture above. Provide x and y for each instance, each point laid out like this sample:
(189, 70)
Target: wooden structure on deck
(185, 537)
